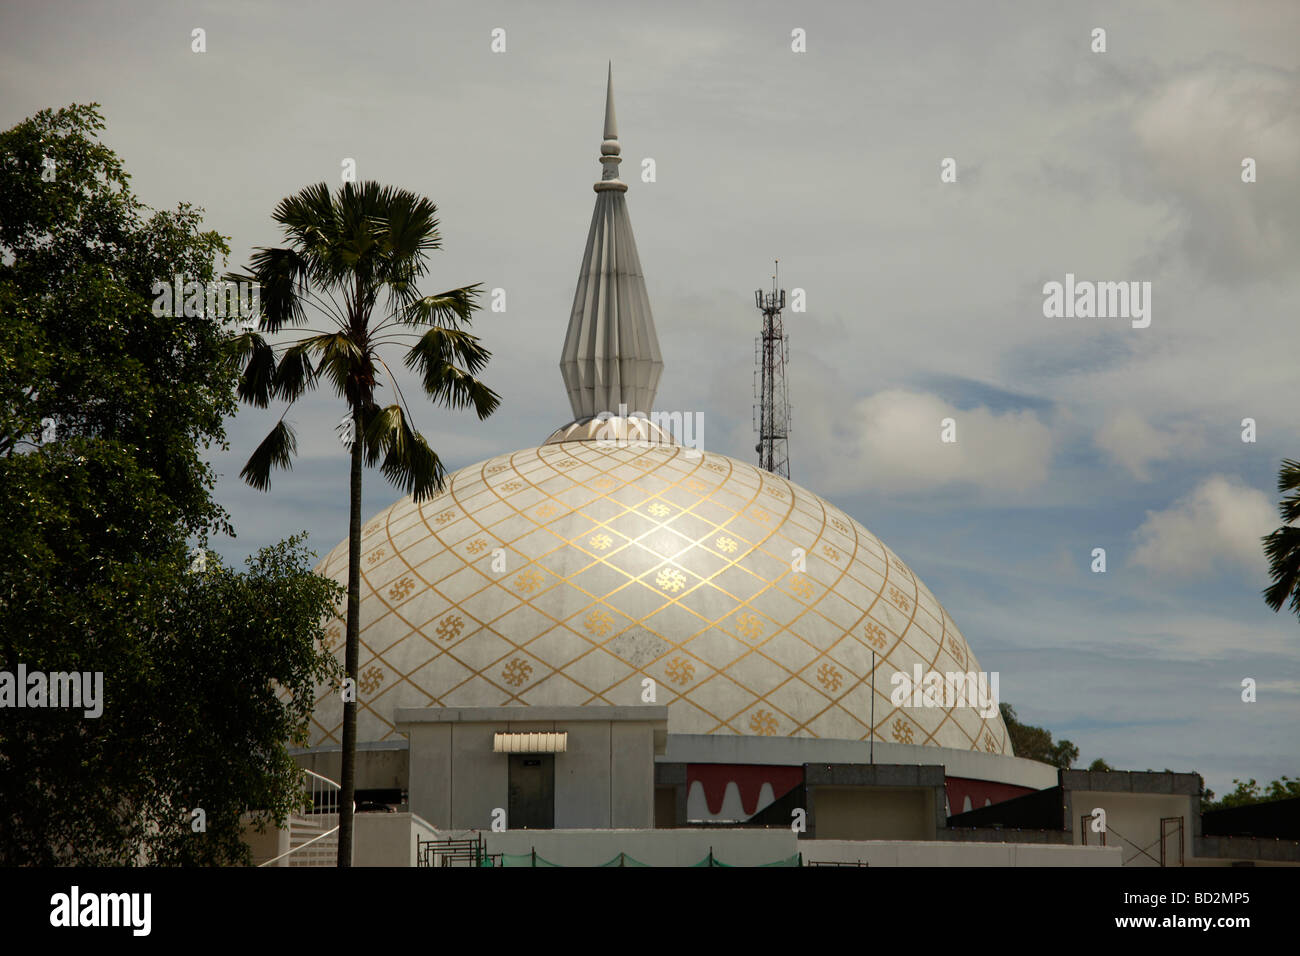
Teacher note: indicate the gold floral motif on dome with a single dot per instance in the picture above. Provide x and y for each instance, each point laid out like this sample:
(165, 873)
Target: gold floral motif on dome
(517, 672)
(902, 731)
(371, 679)
(829, 677)
(900, 599)
(450, 627)
(763, 723)
(670, 579)
(528, 580)
(680, 670)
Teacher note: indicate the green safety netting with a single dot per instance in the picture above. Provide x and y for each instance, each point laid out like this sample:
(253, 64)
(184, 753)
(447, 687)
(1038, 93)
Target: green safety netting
(525, 859)
(622, 859)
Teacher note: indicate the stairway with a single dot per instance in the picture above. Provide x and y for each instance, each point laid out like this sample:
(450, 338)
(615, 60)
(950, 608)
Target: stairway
(306, 827)
(313, 837)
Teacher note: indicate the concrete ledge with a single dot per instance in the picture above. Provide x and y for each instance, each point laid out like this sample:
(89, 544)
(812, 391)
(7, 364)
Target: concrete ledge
(526, 714)
(1131, 781)
(873, 775)
(796, 751)
(916, 853)
(371, 745)
(1247, 848)
(1005, 835)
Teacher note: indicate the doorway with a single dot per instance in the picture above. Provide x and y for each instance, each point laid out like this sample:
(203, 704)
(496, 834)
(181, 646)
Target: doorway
(532, 792)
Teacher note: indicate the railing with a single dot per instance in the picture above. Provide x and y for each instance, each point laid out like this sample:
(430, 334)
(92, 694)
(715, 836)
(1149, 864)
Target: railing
(324, 793)
(299, 861)
(313, 835)
(836, 863)
(465, 852)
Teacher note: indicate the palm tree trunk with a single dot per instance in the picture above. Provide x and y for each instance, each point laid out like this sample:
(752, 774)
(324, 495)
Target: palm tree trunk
(353, 653)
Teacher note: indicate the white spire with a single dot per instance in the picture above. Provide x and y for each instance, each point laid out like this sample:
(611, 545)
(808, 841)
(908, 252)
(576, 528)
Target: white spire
(611, 353)
(611, 126)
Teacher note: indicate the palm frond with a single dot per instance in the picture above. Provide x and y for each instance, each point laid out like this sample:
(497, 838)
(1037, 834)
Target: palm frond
(442, 346)
(257, 381)
(281, 276)
(295, 373)
(408, 461)
(309, 217)
(1283, 550)
(435, 356)
(1288, 479)
(342, 361)
(448, 308)
(276, 451)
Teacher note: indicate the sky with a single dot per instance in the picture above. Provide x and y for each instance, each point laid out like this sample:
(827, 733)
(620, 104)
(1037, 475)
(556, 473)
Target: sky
(924, 298)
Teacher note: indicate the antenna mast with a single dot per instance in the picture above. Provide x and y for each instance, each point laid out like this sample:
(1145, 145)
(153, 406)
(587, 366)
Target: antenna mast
(772, 410)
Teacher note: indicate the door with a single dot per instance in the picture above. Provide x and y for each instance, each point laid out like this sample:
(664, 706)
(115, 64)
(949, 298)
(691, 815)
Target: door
(532, 792)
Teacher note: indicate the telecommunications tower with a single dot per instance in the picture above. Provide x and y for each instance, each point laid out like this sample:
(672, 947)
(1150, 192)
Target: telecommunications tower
(772, 408)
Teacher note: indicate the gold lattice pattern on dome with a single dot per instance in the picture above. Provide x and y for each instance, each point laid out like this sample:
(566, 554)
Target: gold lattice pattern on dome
(626, 563)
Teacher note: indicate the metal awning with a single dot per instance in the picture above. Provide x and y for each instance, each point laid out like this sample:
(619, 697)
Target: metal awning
(530, 743)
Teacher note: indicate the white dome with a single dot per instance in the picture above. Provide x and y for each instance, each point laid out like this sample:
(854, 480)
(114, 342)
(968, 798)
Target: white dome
(569, 573)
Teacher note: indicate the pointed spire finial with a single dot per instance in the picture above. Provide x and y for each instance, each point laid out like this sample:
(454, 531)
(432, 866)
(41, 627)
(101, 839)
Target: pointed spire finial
(610, 150)
(611, 125)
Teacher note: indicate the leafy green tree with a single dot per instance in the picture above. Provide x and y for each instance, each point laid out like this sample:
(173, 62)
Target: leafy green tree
(1283, 545)
(1035, 743)
(90, 355)
(1249, 792)
(232, 642)
(1100, 766)
(105, 411)
(355, 260)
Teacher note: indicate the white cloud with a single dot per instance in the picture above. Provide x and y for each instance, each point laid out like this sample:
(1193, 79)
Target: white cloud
(893, 441)
(1196, 129)
(1219, 521)
(1131, 442)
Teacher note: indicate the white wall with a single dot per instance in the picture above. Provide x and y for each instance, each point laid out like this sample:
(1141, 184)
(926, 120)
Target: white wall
(679, 847)
(1133, 822)
(388, 839)
(605, 777)
(941, 853)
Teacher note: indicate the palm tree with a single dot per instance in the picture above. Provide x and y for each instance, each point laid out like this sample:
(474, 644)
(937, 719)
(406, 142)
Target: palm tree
(343, 255)
(1283, 545)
